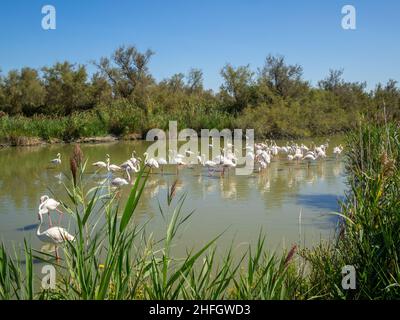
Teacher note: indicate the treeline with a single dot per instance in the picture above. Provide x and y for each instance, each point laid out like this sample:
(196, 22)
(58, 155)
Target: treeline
(122, 97)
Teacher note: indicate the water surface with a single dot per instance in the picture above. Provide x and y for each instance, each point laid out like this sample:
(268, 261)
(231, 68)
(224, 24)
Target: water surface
(291, 202)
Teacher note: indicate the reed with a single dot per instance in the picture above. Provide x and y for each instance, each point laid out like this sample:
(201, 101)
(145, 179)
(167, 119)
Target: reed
(368, 236)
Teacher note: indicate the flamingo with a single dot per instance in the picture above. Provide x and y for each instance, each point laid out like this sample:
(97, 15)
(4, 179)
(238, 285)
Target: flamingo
(48, 204)
(112, 167)
(162, 162)
(100, 164)
(209, 164)
(310, 157)
(133, 159)
(152, 163)
(131, 166)
(119, 182)
(177, 159)
(338, 150)
(53, 235)
(57, 160)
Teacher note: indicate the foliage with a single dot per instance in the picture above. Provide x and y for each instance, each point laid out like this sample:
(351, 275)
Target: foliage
(122, 97)
(368, 238)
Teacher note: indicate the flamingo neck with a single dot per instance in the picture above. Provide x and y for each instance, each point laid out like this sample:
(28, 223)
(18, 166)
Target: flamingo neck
(38, 233)
(129, 176)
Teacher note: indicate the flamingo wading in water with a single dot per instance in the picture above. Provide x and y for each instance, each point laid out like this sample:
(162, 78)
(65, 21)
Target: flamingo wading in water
(57, 160)
(53, 235)
(48, 204)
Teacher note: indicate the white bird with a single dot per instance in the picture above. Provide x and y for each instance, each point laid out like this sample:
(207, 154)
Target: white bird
(100, 164)
(162, 162)
(131, 165)
(152, 163)
(127, 165)
(310, 157)
(177, 159)
(48, 204)
(57, 160)
(133, 158)
(228, 163)
(53, 235)
(210, 165)
(112, 167)
(337, 150)
(119, 182)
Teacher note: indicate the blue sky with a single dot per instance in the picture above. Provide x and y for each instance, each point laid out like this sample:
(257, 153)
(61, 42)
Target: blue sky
(207, 34)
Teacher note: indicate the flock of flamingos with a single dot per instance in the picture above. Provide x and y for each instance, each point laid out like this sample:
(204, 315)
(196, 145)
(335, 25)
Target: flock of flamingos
(260, 153)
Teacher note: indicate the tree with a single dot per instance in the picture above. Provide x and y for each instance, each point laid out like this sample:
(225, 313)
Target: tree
(127, 70)
(101, 90)
(195, 80)
(333, 81)
(67, 89)
(176, 83)
(387, 96)
(284, 79)
(236, 89)
(32, 91)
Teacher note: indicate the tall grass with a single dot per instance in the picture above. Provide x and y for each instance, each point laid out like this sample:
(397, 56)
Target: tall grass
(369, 237)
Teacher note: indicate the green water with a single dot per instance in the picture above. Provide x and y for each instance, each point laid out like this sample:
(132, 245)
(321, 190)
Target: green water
(291, 202)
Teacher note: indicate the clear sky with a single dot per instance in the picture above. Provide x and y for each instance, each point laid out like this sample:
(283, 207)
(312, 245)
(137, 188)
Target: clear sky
(207, 34)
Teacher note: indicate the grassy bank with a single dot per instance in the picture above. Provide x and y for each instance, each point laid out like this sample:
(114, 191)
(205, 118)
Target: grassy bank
(119, 260)
(127, 120)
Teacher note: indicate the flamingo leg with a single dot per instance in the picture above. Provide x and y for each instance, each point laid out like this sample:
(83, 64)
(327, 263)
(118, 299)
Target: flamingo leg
(50, 223)
(61, 215)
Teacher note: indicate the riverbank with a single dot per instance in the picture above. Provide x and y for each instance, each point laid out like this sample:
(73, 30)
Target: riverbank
(36, 141)
(110, 125)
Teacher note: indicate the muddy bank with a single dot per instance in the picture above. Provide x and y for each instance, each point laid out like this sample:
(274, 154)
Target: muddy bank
(36, 141)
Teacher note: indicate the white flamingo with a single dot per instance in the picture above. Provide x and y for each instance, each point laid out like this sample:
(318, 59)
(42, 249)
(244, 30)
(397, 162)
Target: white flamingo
(177, 159)
(152, 163)
(131, 165)
(48, 204)
(209, 164)
(162, 162)
(337, 150)
(57, 160)
(310, 156)
(119, 182)
(112, 167)
(53, 235)
(100, 164)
